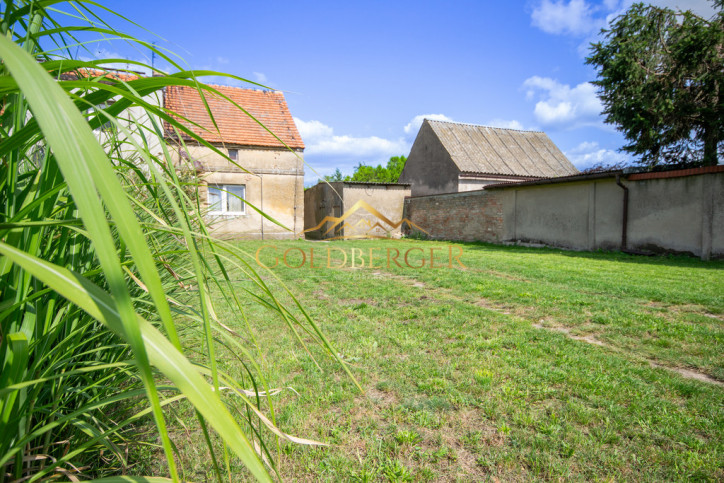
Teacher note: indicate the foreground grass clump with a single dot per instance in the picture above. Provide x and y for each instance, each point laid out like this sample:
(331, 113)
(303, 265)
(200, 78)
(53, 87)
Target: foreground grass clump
(528, 364)
(106, 267)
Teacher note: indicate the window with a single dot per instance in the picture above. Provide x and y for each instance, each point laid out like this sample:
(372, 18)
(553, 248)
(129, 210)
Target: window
(233, 154)
(227, 199)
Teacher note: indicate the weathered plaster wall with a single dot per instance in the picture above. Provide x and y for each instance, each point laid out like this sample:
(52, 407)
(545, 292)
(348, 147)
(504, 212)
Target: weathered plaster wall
(677, 214)
(137, 130)
(387, 199)
(277, 174)
(583, 215)
(429, 168)
(321, 200)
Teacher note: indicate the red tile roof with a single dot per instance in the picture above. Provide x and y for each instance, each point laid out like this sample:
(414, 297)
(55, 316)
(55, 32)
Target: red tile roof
(108, 74)
(678, 173)
(234, 126)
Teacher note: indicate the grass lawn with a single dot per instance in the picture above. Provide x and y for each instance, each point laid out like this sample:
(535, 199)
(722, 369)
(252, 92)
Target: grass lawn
(527, 364)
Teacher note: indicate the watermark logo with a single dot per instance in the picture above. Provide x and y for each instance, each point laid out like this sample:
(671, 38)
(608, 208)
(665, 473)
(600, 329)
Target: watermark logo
(360, 222)
(335, 257)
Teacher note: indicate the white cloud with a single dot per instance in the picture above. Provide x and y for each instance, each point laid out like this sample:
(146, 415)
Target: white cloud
(414, 125)
(321, 140)
(512, 124)
(583, 18)
(561, 104)
(260, 77)
(313, 131)
(222, 60)
(352, 146)
(588, 154)
(575, 17)
(326, 151)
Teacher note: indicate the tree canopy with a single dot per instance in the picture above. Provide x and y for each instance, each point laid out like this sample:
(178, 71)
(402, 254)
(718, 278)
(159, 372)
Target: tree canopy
(661, 81)
(373, 174)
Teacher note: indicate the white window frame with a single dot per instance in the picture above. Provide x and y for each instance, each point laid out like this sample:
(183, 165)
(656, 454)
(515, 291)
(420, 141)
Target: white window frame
(224, 190)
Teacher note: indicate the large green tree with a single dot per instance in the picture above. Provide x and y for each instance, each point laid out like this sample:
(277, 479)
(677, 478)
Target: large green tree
(379, 173)
(661, 81)
(373, 174)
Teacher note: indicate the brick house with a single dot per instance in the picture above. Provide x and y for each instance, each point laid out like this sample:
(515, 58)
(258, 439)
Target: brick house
(264, 172)
(450, 157)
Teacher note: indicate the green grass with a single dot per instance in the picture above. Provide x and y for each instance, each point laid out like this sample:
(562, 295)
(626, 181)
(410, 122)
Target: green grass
(106, 263)
(477, 373)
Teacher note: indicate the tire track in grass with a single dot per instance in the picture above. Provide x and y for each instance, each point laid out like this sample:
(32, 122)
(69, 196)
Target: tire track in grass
(588, 339)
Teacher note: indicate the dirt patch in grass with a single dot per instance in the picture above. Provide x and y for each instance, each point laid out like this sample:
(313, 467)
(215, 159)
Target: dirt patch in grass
(409, 281)
(382, 398)
(666, 309)
(487, 304)
(589, 339)
(689, 374)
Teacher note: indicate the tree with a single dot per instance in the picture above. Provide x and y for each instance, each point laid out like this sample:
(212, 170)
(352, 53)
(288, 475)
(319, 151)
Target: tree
(661, 81)
(372, 174)
(337, 176)
(380, 174)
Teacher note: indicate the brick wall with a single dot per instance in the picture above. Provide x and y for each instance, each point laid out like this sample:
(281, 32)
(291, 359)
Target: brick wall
(467, 216)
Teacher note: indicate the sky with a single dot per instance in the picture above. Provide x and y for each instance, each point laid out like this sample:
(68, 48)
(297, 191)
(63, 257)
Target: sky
(359, 77)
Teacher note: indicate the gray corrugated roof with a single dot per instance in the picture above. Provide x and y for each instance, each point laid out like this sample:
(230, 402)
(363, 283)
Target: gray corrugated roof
(493, 150)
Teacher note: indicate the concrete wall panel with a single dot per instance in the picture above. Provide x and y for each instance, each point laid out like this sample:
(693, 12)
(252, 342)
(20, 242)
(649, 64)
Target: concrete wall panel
(679, 214)
(556, 217)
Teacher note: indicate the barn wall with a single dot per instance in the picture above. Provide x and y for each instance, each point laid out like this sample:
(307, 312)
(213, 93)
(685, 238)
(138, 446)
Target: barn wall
(429, 167)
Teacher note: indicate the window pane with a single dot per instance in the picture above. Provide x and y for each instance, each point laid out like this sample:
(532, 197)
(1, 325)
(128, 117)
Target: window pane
(233, 154)
(214, 198)
(235, 197)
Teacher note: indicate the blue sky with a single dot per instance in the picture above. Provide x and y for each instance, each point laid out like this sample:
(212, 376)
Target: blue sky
(360, 76)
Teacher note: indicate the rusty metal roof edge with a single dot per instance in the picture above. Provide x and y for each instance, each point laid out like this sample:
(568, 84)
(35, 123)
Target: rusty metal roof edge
(478, 174)
(631, 173)
(377, 183)
(559, 179)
